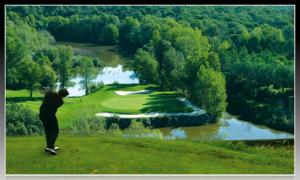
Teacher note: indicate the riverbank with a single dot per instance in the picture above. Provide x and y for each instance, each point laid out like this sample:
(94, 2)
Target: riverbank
(267, 115)
(118, 155)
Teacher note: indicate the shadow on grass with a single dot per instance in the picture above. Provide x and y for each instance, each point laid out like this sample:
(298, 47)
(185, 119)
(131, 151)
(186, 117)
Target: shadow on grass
(22, 99)
(115, 87)
(165, 103)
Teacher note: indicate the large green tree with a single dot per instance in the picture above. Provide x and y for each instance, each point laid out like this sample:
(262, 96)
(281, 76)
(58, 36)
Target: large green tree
(209, 90)
(110, 34)
(63, 65)
(88, 72)
(30, 74)
(146, 67)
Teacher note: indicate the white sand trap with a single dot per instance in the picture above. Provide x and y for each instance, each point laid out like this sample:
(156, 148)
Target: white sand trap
(148, 115)
(197, 111)
(125, 93)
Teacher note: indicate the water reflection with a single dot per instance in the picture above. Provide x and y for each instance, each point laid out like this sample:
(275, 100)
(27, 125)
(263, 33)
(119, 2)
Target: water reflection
(107, 75)
(110, 75)
(228, 128)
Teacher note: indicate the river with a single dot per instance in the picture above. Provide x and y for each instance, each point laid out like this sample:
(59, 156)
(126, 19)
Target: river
(115, 70)
(229, 127)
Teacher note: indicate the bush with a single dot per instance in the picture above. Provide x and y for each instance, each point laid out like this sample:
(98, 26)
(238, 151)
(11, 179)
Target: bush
(236, 146)
(81, 127)
(96, 86)
(21, 120)
(115, 130)
(138, 129)
(92, 125)
(111, 126)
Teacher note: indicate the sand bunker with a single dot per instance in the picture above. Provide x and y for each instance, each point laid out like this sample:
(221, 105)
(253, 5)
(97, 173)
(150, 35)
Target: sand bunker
(125, 93)
(197, 111)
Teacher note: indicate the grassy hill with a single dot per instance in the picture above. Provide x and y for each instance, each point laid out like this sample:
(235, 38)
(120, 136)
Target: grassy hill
(105, 100)
(117, 155)
(111, 154)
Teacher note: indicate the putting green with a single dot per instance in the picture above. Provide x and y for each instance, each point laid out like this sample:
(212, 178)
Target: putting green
(131, 102)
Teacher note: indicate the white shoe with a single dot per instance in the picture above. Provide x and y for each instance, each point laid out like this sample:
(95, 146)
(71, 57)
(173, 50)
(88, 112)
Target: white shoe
(50, 150)
(56, 148)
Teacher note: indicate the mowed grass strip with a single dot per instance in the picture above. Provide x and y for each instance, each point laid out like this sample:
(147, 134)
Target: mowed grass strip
(117, 155)
(106, 100)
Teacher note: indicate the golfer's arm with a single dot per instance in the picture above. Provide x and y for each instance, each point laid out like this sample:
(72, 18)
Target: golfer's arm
(60, 102)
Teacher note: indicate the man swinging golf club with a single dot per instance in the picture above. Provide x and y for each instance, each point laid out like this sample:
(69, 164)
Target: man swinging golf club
(51, 102)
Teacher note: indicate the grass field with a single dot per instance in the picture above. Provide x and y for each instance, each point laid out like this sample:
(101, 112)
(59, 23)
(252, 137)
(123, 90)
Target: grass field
(110, 154)
(117, 155)
(105, 100)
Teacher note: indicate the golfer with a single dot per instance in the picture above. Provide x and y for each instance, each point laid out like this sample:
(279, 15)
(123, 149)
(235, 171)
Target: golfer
(51, 102)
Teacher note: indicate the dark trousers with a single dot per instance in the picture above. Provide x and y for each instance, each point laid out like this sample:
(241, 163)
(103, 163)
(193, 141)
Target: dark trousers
(51, 130)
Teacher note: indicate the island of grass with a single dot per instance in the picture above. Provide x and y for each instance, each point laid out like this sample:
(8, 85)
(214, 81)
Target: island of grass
(106, 99)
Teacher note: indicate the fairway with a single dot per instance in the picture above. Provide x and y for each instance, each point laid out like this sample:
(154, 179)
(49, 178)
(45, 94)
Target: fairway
(105, 100)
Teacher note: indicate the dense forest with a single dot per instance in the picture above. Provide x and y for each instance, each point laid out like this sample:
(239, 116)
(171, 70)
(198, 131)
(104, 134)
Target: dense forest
(236, 59)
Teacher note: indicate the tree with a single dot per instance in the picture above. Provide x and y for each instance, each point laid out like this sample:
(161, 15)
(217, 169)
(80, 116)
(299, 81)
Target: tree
(30, 74)
(110, 34)
(15, 47)
(48, 77)
(214, 61)
(88, 71)
(15, 51)
(172, 71)
(63, 64)
(130, 34)
(209, 91)
(146, 67)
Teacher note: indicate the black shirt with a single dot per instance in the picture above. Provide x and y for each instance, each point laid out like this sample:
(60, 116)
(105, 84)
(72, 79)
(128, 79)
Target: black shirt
(50, 104)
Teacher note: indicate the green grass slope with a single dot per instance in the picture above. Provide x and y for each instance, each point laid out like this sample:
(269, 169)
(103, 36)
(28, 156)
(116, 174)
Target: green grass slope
(105, 100)
(117, 155)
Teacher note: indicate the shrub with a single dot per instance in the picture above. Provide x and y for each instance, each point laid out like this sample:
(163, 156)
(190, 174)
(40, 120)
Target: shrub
(232, 145)
(21, 120)
(110, 120)
(138, 129)
(96, 86)
(80, 127)
(111, 126)
(115, 130)
(91, 125)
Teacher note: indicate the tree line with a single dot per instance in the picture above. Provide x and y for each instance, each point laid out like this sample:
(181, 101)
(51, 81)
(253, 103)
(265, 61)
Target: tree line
(208, 53)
